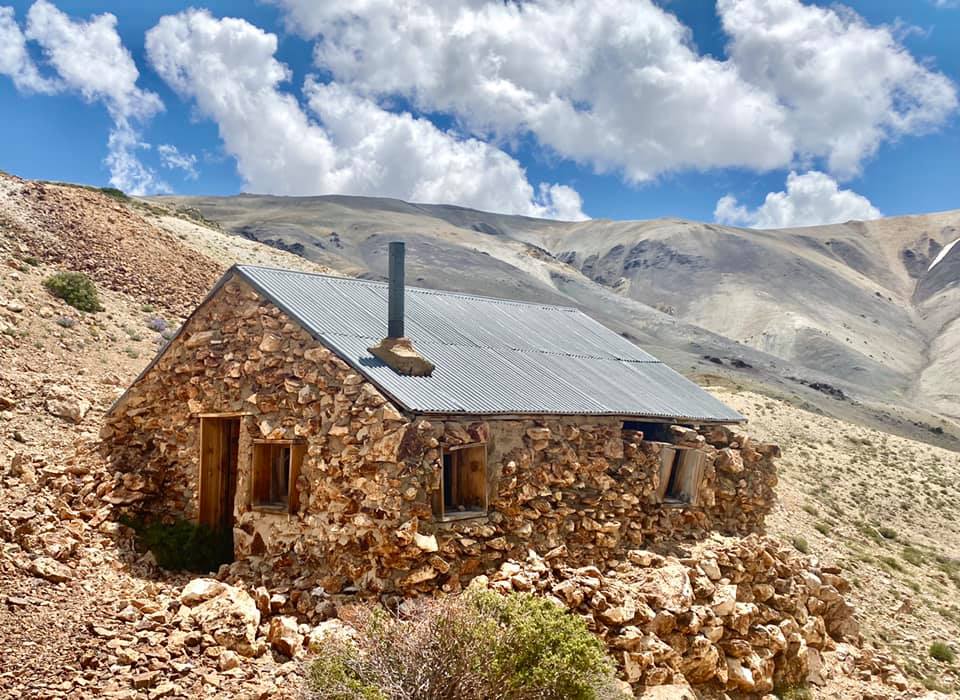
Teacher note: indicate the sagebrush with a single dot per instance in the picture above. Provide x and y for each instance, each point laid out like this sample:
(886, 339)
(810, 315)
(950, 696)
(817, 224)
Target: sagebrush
(480, 645)
(76, 289)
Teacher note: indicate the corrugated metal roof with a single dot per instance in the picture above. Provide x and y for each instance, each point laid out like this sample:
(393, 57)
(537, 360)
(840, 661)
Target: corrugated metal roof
(492, 356)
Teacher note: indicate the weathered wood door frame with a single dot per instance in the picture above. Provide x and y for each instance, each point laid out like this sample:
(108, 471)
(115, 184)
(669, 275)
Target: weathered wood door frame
(219, 455)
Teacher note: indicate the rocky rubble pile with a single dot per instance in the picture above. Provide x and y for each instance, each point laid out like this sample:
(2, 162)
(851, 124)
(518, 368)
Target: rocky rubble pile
(83, 615)
(737, 615)
(84, 230)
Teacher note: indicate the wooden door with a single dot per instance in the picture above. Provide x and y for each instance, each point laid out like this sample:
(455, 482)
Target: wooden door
(219, 450)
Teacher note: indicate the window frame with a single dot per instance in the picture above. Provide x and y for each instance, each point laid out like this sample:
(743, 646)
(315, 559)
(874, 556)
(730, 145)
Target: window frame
(297, 450)
(691, 460)
(440, 506)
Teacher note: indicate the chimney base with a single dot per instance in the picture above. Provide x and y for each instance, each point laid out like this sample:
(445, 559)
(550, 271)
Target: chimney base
(400, 356)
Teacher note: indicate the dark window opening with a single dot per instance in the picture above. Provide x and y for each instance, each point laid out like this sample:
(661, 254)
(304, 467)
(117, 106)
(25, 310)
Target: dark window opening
(652, 432)
(681, 472)
(276, 466)
(463, 487)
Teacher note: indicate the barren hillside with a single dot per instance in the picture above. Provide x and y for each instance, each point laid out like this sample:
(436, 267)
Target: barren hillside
(83, 614)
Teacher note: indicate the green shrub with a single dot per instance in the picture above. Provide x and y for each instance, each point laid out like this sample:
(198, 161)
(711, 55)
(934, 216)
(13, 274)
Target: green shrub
(793, 692)
(184, 544)
(941, 652)
(800, 544)
(335, 675)
(76, 289)
(887, 532)
(547, 652)
(119, 195)
(477, 646)
(822, 527)
(891, 563)
(913, 555)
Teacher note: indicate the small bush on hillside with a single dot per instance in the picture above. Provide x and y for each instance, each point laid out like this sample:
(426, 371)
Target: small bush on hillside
(941, 652)
(183, 545)
(887, 532)
(76, 289)
(912, 555)
(477, 646)
(891, 564)
(113, 192)
(157, 324)
(800, 544)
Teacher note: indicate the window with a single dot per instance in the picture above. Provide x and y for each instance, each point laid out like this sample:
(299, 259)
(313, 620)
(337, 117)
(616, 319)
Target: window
(463, 483)
(276, 466)
(681, 471)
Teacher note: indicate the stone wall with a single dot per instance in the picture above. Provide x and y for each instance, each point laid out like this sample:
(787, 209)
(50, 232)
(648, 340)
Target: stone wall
(578, 488)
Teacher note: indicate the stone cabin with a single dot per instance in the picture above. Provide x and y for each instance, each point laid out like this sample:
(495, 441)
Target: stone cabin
(476, 430)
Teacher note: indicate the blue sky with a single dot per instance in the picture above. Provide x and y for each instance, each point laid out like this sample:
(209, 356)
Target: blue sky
(694, 110)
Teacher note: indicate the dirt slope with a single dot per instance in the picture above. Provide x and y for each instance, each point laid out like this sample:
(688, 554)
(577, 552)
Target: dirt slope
(885, 509)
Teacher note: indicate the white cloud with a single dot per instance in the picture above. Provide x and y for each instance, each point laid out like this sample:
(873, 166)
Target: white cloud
(846, 86)
(353, 145)
(89, 58)
(615, 84)
(15, 60)
(810, 199)
(618, 85)
(172, 159)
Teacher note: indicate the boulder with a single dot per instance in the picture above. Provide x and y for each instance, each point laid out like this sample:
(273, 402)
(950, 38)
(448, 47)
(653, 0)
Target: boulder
(199, 590)
(231, 618)
(68, 407)
(673, 691)
(668, 587)
(51, 570)
(284, 635)
(332, 631)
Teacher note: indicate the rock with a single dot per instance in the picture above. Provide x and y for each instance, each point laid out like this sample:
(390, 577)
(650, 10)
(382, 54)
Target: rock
(199, 590)
(146, 680)
(15, 305)
(68, 407)
(724, 600)
(424, 573)
(331, 631)
(231, 618)
(668, 692)
(228, 660)
(51, 570)
(668, 587)
(164, 690)
(740, 677)
(270, 343)
(701, 661)
(284, 636)
(711, 569)
(426, 543)
(128, 656)
(897, 680)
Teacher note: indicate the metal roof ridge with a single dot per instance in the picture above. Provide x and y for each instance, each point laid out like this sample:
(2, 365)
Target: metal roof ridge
(420, 290)
(538, 351)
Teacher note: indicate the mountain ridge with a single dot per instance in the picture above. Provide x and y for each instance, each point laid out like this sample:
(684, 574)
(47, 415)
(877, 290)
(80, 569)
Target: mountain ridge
(851, 306)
